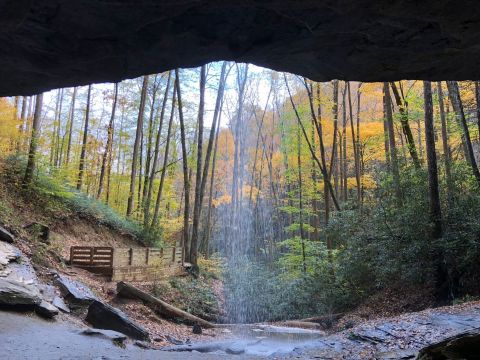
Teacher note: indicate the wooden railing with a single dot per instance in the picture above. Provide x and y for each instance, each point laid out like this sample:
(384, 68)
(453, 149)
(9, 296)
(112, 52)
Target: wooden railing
(126, 263)
(91, 256)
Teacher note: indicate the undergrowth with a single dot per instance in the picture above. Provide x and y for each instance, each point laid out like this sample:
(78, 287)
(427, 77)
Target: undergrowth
(54, 196)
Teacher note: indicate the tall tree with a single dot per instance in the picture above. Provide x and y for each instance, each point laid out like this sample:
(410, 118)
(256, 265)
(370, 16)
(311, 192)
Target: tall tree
(198, 178)
(70, 126)
(156, 151)
(454, 94)
(392, 146)
(446, 147)
(186, 181)
(81, 166)
(136, 147)
(434, 195)
(30, 169)
(108, 146)
(407, 131)
(163, 170)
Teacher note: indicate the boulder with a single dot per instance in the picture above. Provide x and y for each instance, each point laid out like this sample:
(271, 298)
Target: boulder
(104, 316)
(465, 345)
(18, 293)
(5, 235)
(46, 310)
(75, 292)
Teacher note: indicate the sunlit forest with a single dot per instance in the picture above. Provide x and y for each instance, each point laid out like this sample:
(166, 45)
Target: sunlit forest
(311, 196)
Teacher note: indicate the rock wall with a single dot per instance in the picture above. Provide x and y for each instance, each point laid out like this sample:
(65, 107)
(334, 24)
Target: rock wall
(54, 43)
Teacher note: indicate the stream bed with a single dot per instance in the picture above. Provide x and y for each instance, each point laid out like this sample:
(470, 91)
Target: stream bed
(258, 340)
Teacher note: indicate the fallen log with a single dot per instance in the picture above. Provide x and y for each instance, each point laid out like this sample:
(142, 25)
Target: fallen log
(324, 318)
(170, 311)
(301, 324)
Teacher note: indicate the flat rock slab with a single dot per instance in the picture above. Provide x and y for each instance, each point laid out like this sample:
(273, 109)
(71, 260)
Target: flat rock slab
(60, 304)
(104, 316)
(75, 291)
(18, 293)
(115, 336)
(46, 310)
(5, 235)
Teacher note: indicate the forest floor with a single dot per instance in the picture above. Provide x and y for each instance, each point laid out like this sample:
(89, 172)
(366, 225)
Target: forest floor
(390, 325)
(69, 228)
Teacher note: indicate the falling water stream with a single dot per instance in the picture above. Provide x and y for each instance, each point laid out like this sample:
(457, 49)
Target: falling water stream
(244, 235)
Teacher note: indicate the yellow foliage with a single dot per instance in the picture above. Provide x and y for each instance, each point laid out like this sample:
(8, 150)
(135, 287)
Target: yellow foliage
(9, 127)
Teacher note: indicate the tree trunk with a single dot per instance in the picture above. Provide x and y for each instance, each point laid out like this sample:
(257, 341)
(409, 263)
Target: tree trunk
(156, 151)
(130, 291)
(198, 178)
(212, 178)
(156, 213)
(70, 124)
(458, 108)
(446, 147)
(434, 196)
(108, 147)
(407, 131)
(81, 166)
(186, 182)
(392, 146)
(354, 145)
(148, 160)
(136, 148)
(300, 201)
(27, 179)
(344, 144)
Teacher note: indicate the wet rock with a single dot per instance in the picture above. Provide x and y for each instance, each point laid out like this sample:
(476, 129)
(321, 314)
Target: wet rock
(46, 310)
(396, 355)
(235, 349)
(197, 329)
(143, 344)
(18, 293)
(5, 235)
(47, 291)
(104, 316)
(172, 340)
(75, 292)
(465, 345)
(8, 253)
(115, 336)
(60, 304)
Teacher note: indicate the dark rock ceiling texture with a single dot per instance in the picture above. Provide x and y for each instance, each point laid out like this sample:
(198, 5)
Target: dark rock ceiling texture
(47, 44)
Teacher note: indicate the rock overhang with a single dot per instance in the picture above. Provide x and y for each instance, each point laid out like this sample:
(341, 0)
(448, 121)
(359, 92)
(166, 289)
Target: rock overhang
(57, 43)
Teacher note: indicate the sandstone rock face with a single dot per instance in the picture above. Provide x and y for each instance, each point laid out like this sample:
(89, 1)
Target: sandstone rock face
(53, 43)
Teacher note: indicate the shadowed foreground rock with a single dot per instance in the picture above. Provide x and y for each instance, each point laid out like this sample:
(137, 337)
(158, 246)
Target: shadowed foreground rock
(51, 43)
(104, 316)
(16, 293)
(461, 346)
